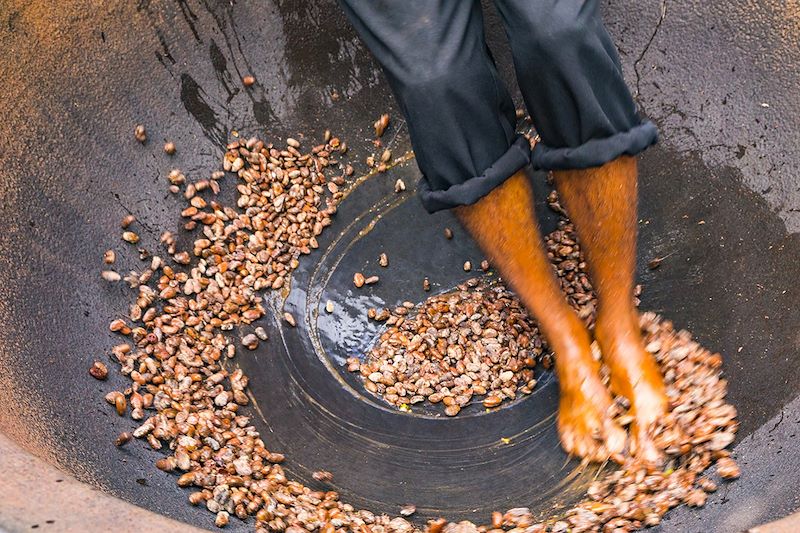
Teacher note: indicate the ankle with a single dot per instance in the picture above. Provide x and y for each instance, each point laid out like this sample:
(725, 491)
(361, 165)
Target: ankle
(567, 335)
(617, 329)
(573, 354)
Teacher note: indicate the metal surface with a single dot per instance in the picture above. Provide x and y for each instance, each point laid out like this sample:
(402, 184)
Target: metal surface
(719, 194)
(46, 499)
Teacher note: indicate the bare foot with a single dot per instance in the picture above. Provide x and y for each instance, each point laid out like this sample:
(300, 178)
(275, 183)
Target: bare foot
(584, 424)
(634, 375)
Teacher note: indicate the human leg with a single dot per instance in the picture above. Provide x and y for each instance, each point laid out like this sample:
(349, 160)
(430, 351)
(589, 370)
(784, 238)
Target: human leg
(572, 83)
(504, 224)
(602, 204)
(459, 114)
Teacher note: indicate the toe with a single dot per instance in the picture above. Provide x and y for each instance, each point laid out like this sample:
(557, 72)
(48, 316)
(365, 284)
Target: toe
(567, 440)
(615, 438)
(587, 448)
(643, 447)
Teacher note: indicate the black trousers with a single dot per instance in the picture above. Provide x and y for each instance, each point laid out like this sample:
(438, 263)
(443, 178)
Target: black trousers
(460, 115)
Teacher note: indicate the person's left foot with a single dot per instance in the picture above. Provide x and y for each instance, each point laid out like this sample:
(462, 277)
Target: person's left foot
(634, 375)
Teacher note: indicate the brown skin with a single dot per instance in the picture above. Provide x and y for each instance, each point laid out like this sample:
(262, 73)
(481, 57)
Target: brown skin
(504, 225)
(601, 206)
(601, 203)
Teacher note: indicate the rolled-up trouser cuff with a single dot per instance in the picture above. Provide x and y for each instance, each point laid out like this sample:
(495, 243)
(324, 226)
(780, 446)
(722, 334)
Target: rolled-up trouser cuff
(517, 156)
(595, 152)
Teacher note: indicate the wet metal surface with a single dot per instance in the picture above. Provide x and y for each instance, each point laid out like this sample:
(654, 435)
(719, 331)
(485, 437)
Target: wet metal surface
(719, 195)
(382, 457)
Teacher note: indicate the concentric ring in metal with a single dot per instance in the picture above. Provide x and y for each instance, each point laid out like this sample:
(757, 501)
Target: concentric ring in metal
(321, 417)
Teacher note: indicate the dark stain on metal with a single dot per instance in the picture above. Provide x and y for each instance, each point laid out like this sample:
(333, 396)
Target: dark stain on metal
(262, 112)
(190, 18)
(164, 53)
(13, 19)
(194, 102)
(221, 67)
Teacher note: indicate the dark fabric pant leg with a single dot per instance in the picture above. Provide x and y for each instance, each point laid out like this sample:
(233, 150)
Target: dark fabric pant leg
(571, 80)
(459, 114)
